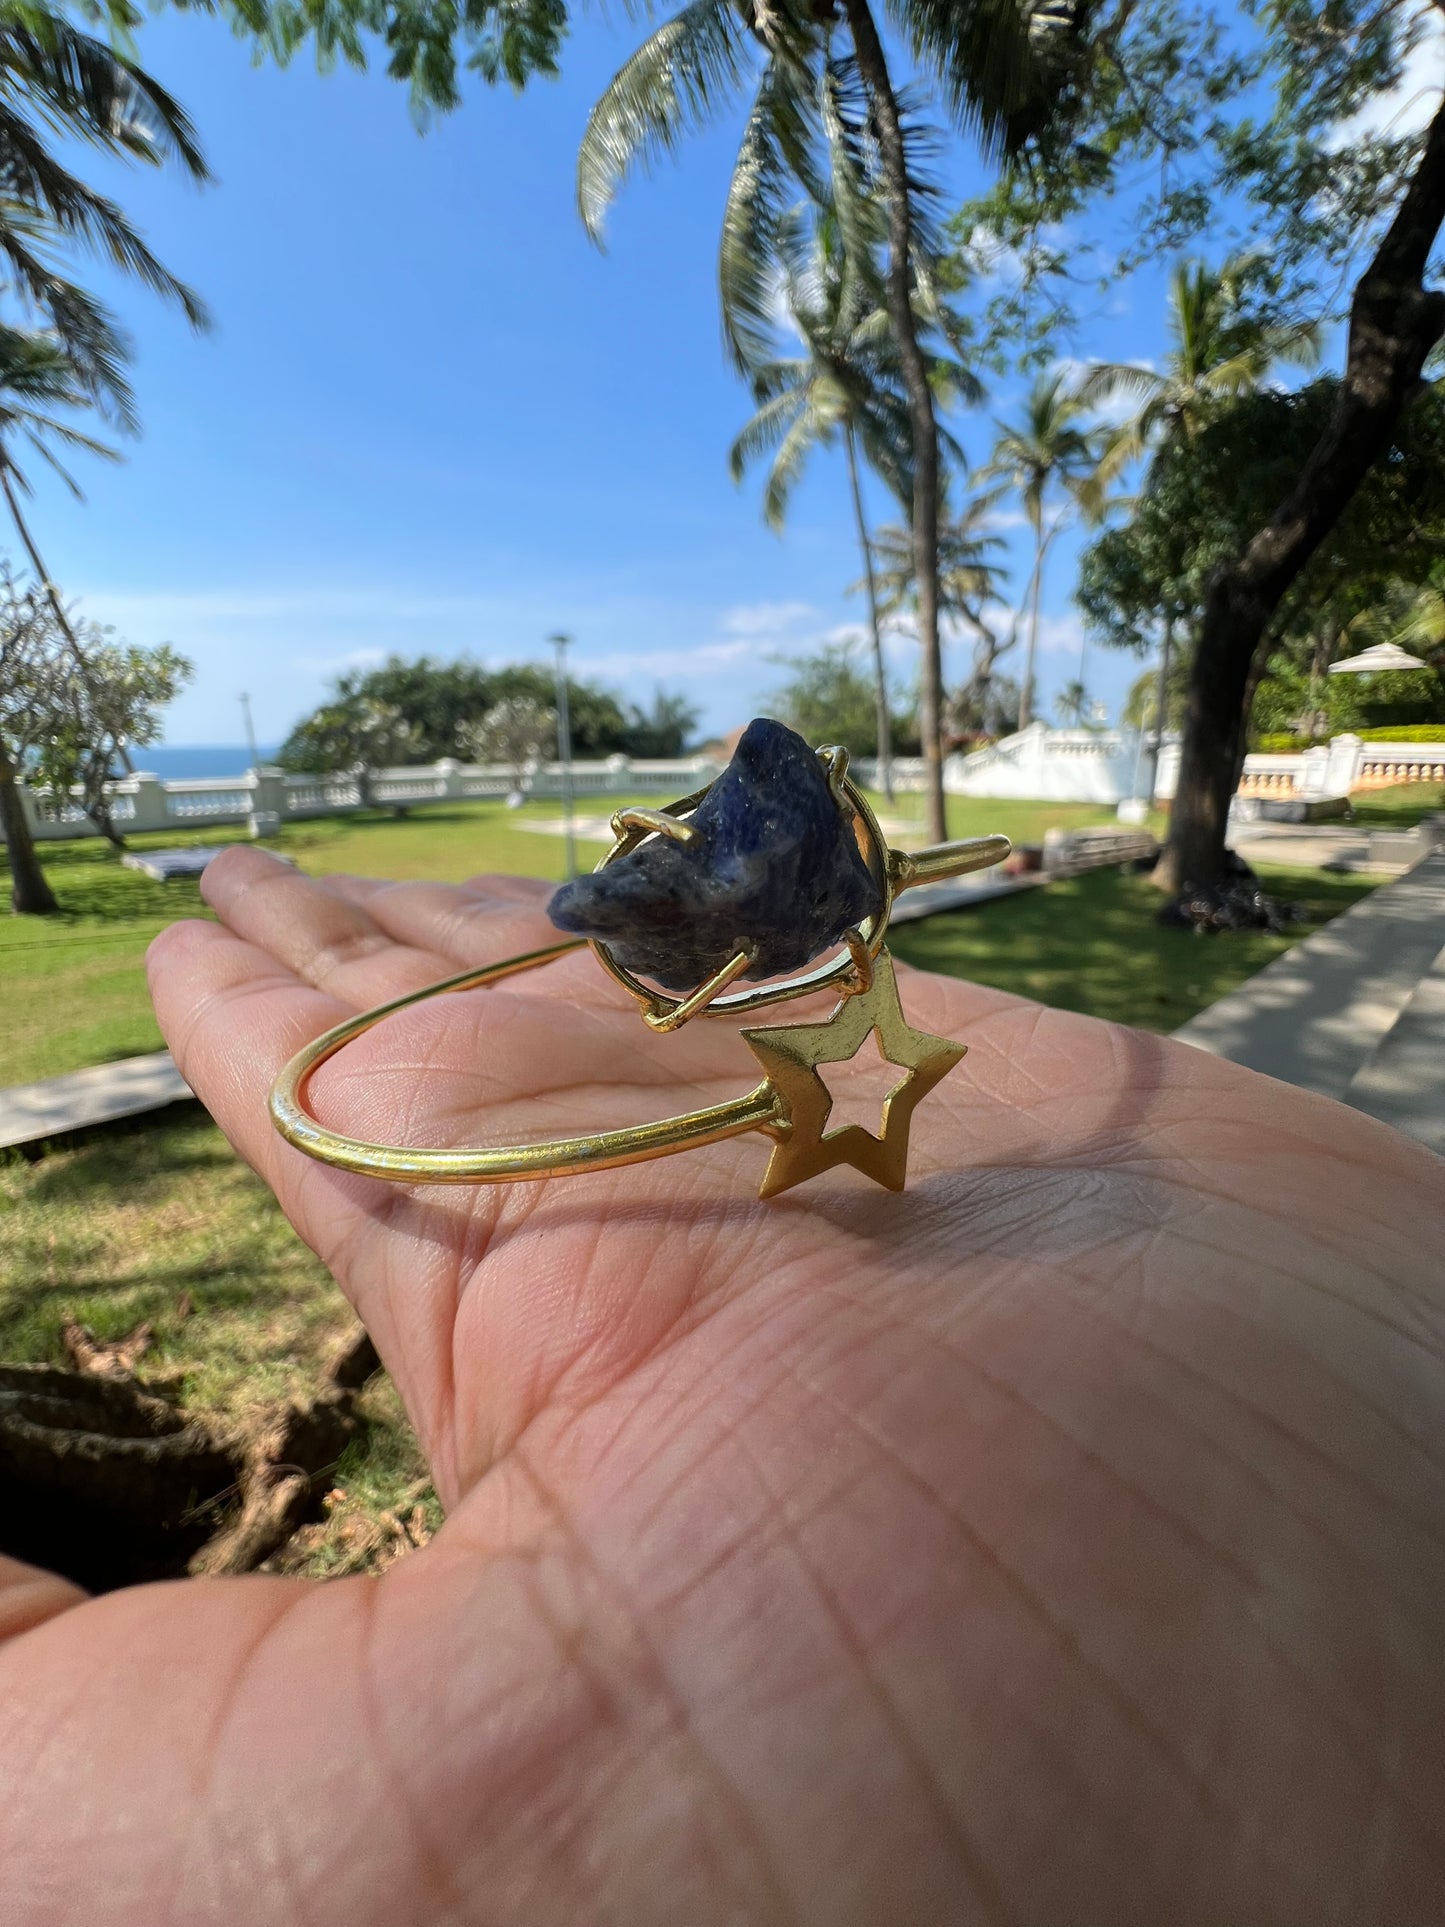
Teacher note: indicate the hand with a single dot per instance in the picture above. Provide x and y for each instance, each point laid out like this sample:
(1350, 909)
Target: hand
(1061, 1542)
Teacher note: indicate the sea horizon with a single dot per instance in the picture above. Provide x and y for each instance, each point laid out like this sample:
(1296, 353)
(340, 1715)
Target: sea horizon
(178, 760)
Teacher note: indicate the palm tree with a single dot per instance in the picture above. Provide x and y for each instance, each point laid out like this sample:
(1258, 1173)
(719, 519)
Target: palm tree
(1073, 704)
(834, 124)
(27, 670)
(37, 377)
(969, 577)
(55, 78)
(845, 387)
(1047, 453)
(1219, 351)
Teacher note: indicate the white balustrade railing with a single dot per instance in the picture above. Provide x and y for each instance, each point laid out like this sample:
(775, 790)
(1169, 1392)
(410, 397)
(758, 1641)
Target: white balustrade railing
(1384, 763)
(1108, 765)
(1054, 765)
(907, 772)
(264, 798)
(1051, 765)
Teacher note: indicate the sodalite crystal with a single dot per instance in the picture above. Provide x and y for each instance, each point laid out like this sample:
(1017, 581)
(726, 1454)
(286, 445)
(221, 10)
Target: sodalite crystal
(775, 863)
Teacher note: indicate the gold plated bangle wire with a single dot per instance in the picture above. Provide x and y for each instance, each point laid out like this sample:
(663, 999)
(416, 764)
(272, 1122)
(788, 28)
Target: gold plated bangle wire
(790, 1105)
(596, 1151)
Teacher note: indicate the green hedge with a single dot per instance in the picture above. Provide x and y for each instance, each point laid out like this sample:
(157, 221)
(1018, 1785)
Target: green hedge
(1280, 743)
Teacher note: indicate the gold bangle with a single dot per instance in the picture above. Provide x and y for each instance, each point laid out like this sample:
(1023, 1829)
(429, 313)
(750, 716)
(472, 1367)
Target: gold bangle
(791, 1104)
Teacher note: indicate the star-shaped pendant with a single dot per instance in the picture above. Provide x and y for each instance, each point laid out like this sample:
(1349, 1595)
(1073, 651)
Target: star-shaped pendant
(790, 1054)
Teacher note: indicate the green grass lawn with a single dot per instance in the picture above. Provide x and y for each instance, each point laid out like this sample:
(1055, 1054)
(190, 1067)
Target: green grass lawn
(73, 987)
(1092, 944)
(1399, 806)
(163, 1224)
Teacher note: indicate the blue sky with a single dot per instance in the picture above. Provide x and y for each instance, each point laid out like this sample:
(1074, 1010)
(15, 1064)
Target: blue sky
(433, 417)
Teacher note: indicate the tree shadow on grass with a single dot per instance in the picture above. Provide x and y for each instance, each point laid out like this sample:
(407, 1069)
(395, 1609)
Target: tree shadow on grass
(1092, 944)
(132, 1157)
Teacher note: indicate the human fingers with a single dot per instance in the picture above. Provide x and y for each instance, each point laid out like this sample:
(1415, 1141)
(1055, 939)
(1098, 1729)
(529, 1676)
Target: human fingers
(323, 939)
(233, 1017)
(479, 922)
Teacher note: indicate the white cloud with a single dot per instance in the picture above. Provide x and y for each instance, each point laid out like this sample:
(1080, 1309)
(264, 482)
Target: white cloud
(335, 665)
(698, 658)
(764, 618)
(996, 264)
(1060, 635)
(179, 608)
(1409, 105)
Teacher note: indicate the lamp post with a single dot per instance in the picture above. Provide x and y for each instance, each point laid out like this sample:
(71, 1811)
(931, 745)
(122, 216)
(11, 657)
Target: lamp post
(564, 751)
(250, 730)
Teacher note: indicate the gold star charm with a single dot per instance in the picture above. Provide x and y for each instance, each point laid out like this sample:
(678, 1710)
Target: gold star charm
(790, 1053)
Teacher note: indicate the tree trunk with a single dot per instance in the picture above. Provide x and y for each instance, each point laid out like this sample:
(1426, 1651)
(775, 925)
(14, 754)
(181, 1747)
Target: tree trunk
(1026, 693)
(30, 894)
(1394, 323)
(1161, 708)
(42, 575)
(880, 678)
(888, 127)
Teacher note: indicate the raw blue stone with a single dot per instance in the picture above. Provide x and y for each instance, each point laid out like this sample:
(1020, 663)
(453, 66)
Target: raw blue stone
(775, 863)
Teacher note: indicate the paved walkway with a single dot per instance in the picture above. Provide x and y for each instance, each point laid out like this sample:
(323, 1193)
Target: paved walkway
(30, 1113)
(1313, 846)
(1404, 1082)
(961, 893)
(1318, 1015)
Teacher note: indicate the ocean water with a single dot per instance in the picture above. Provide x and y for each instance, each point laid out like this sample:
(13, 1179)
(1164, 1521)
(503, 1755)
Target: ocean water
(198, 759)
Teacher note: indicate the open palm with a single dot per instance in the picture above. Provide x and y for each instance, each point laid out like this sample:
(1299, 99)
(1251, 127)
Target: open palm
(1060, 1542)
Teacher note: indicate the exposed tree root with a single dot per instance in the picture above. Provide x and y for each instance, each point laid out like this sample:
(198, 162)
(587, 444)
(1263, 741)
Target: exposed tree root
(111, 1485)
(1235, 902)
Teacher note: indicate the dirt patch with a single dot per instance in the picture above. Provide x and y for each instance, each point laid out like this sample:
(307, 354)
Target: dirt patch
(103, 1481)
(109, 1481)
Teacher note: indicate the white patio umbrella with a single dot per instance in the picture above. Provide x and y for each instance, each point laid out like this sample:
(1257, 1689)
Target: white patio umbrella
(1376, 660)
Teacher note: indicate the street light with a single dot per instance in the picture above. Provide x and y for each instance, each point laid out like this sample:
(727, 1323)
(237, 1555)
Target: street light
(564, 750)
(250, 730)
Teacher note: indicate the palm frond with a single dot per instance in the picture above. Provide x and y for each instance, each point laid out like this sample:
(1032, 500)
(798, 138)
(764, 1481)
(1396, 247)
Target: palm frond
(760, 239)
(885, 433)
(853, 207)
(1107, 379)
(1298, 347)
(95, 91)
(678, 78)
(785, 375)
(1001, 65)
(31, 175)
(765, 430)
(1423, 624)
(788, 465)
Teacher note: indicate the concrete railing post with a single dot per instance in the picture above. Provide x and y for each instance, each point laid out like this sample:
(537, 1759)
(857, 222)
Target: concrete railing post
(268, 800)
(1342, 769)
(152, 807)
(1315, 771)
(40, 831)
